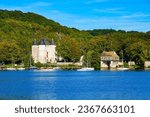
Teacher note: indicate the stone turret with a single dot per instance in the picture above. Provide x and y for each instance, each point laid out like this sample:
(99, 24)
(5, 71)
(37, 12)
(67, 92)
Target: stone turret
(43, 41)
(34, 42)
(35, 51)
(42, 58)
(52, 51)
(52, 42)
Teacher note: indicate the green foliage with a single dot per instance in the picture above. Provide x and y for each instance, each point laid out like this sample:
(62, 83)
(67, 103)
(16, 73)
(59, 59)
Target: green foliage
(126, 65)
(18, 30)
(69, 49)
(138, 52)
(39, 65)
(10, 52)
(97, 32)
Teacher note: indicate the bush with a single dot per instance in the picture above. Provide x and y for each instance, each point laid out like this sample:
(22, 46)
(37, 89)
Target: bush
(39, 65)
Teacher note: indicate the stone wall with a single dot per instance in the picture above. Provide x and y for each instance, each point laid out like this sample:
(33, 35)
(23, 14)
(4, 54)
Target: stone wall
(147, 64)
(44, 53)
(35, 50)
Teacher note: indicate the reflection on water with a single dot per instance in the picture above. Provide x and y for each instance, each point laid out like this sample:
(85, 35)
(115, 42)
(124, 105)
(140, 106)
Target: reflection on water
(64, 85)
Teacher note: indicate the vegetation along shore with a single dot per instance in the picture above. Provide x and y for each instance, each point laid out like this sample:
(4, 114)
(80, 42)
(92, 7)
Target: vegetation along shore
(18, 31)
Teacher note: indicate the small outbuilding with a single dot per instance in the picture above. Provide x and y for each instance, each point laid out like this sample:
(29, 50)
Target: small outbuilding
(131, 63)
(147, 64)
(109, 60)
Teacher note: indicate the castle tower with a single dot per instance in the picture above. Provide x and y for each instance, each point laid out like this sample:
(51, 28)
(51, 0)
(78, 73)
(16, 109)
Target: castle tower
(43, 56)
(44, 52)
(51, 49)
(35, 51)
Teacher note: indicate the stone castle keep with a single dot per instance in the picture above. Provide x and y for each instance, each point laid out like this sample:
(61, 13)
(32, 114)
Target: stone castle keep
(44, 52)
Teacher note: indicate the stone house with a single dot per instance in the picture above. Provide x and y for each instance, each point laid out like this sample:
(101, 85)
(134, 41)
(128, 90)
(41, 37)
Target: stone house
(109, 60)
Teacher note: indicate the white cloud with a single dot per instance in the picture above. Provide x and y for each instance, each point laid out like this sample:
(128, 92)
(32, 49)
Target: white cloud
(110, 10)
(103, 22)
(113, 23)
(61, 17)
(39, 4)
(28, 7)
(124, 22)
(135, 15)
(95, 1)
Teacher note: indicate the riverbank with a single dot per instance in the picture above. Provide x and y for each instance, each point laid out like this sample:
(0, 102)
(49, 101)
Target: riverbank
(64, 67)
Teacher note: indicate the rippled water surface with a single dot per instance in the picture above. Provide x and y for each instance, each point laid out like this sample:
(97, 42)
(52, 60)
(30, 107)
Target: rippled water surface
(74, 85)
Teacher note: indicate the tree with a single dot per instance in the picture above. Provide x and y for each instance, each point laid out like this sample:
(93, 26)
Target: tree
(10, 52)
(138, 53)
(69, 49)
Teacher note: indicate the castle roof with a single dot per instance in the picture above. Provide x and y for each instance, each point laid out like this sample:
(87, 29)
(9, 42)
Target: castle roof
(109, 55)
(43, 41)
(34, 42)
(52, 42)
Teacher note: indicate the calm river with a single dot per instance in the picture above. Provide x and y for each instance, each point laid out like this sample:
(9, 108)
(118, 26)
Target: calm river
(74, 85)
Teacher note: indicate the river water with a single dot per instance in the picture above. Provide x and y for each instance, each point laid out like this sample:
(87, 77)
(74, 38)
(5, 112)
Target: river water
(75, 85)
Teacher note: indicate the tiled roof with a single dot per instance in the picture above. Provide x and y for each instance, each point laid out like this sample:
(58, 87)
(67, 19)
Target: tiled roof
(52, 42)
(43, 41)
(109, 54)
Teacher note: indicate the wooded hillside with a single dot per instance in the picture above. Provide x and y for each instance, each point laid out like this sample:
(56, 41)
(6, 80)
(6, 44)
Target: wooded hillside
(18, 30)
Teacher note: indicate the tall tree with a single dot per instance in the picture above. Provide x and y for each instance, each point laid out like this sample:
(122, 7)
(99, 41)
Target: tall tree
(69, 49)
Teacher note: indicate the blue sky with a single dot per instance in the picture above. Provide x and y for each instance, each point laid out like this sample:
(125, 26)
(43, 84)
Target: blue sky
(89, 14)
